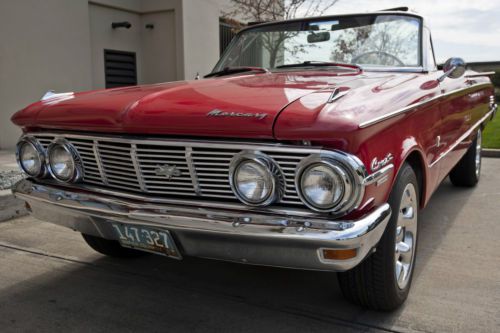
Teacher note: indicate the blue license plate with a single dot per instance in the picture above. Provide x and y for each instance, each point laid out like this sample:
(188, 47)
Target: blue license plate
(146, 239)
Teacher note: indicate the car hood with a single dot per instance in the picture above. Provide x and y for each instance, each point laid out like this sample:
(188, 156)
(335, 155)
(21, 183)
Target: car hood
(236, 106)
(284, 106)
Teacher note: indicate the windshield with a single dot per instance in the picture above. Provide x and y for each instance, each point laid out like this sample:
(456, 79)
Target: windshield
(367, 40)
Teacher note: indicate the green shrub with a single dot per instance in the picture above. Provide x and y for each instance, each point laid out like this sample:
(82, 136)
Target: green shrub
(496, 81)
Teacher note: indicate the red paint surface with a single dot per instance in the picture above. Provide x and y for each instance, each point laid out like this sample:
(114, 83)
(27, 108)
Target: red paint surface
(297, 109)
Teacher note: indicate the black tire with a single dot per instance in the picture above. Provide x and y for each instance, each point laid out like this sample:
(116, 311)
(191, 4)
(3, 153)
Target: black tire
(111, 248)
(373, 283)
(468, 170)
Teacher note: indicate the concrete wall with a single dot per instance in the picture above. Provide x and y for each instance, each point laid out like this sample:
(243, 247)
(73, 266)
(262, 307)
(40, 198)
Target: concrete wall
(201, 34)
(159, 61)
(40, 49)
(155, 48)
(57, 44)
(102, 36)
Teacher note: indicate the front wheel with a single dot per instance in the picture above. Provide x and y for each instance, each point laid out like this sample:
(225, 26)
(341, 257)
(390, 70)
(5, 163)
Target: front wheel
(382, 281)
(468, 170)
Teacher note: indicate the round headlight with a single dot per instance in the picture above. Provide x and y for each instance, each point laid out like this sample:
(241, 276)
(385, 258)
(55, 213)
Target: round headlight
(322, 186)
(255, 179)
(63, 164)
(253, 182)
(330, 182)
(30, 157)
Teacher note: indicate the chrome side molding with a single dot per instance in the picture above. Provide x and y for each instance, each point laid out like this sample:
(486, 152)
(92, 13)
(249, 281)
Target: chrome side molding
(411, 107)
(469, 76)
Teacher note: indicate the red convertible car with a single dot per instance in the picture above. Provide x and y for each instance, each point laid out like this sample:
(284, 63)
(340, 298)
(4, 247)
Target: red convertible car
(313, 144)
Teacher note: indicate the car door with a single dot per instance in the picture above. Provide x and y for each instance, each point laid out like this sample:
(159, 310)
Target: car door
(456, 116)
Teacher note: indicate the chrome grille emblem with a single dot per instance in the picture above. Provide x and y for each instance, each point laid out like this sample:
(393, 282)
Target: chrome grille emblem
(168, 171)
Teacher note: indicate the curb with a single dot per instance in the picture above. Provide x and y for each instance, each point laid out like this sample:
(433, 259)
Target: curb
(10, 206)
(490, 153)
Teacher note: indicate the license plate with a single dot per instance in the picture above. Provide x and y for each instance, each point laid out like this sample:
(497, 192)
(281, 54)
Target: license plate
(146, 239)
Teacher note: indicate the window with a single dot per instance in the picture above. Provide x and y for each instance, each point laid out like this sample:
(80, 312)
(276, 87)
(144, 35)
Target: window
(120, 68)
(366, 40)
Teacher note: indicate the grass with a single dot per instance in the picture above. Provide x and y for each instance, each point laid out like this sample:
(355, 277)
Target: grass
(491, 134)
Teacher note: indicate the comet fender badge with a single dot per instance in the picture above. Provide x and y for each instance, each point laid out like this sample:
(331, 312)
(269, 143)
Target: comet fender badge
(376, 164)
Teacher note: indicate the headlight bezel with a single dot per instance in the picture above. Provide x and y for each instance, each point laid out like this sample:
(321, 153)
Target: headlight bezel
(41, 155)
(347, 167)
(274, 172)
(77, 169)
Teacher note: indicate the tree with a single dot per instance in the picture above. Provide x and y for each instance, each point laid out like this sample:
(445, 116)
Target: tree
(496, 81)
(274, 10)
(381, 43)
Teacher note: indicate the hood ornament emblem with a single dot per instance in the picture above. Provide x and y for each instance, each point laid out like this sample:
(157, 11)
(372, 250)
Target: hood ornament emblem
(220, 113)
(168, 171)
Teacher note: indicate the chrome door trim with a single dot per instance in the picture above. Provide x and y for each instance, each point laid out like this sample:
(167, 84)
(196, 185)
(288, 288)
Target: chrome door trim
(415, 105)
(462, 138)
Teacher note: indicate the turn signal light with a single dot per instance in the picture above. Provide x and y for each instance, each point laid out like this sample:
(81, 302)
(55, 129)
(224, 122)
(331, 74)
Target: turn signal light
(343, 254)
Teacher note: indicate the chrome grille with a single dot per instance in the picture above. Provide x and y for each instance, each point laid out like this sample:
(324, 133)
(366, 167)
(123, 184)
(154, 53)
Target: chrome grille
(129, 164)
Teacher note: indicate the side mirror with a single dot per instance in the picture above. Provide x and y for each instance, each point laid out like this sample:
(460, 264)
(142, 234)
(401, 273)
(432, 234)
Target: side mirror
(453, 68)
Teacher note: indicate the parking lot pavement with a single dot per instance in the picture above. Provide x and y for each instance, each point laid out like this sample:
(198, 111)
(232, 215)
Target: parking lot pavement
(51, 281)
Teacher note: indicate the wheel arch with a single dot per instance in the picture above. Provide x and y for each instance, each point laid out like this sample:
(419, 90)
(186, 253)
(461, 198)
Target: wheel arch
(416, 161)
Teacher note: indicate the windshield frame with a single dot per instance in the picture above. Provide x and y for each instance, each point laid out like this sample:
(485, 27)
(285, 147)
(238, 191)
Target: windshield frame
(412, 69)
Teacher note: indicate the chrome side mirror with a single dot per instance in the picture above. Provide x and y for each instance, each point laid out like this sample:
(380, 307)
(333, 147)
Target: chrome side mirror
(453, 68)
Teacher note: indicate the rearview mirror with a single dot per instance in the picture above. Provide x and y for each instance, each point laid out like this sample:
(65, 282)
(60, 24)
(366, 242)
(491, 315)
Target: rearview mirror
(317, 37)
(453, 68)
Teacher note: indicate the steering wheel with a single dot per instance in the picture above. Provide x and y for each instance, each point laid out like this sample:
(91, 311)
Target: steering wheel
(356, 58)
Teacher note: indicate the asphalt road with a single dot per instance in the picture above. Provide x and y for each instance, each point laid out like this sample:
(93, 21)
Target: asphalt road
(51, 281)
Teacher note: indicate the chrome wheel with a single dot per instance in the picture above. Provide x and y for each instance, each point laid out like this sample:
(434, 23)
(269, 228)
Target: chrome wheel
(406, 235)
(478, 153)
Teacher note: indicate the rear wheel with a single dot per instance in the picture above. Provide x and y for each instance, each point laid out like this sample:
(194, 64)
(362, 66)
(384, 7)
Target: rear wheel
(383, 280)
(468, 170)
(111, 248)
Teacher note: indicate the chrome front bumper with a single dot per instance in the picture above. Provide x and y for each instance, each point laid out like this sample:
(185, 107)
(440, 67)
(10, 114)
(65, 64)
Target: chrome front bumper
(225, 234)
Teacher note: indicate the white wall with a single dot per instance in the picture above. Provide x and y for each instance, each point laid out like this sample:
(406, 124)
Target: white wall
(159, 58)
(40, 49)
(47, 45)
(201, 37)
(102, 36)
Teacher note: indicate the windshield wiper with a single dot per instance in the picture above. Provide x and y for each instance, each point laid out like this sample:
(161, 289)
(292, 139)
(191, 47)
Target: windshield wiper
(235, 70)
(322, 64)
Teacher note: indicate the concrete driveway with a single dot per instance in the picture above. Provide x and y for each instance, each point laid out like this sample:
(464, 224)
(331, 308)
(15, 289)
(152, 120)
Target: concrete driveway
(51, 281)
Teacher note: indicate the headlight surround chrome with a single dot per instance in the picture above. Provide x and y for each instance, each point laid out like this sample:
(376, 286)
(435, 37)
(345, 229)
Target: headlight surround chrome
(64, 163)
(246, 186)
(339, 182)
(30, 157)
